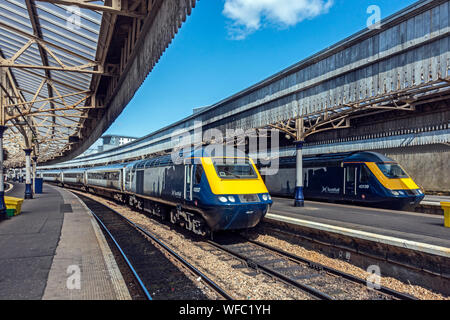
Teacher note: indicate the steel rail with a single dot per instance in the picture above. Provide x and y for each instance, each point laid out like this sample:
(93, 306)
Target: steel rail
(273, 273)
(295, 258)
(210, 282)
(303, 237)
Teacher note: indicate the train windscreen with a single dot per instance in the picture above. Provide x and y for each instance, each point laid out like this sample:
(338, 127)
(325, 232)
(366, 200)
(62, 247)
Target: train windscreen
(392, 170)
(234, 169)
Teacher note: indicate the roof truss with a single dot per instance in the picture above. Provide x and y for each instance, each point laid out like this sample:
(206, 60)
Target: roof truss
(50, 71)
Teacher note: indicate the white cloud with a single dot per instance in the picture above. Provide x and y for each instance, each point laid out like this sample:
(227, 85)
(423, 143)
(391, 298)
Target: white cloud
(248, 15)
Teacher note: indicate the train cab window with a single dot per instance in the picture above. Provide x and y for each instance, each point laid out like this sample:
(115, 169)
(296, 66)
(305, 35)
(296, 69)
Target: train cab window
(198, 174)
(232, 169)
(392, 170)
(364, 175)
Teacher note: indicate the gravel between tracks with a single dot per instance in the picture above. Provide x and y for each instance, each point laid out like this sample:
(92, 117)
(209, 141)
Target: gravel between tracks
(227, 272)
(277, 241)
(222, 269)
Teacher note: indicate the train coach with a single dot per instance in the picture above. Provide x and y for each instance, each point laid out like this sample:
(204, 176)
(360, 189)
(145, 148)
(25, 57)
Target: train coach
(203, 193)
(366, 178)
(74, 177)
(53, 176)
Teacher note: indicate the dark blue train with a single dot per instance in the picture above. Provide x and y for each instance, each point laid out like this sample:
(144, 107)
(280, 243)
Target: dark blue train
(204, 193)
(367, 178)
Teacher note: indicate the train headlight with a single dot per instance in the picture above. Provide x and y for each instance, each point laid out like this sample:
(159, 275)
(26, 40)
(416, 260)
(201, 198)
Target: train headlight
(223, 199)
(265, 197)
(395, 193)
(231, 199)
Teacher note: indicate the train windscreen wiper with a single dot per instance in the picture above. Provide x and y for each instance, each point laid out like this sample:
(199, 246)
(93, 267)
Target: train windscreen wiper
(233, 174)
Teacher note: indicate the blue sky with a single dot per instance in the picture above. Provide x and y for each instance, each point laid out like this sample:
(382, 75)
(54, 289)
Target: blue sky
(206, 63)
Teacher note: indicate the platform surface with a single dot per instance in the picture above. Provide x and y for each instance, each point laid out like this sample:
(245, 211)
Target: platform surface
(416, 227)
(55, 250)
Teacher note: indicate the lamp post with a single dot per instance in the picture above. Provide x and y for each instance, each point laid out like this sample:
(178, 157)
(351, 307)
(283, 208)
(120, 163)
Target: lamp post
(300, 131)
(28, 191)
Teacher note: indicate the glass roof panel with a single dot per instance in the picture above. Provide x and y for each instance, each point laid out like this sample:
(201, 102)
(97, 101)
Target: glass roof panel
(38, 49)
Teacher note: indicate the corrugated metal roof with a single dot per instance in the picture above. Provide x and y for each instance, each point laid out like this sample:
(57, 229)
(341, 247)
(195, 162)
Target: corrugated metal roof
(63, 63)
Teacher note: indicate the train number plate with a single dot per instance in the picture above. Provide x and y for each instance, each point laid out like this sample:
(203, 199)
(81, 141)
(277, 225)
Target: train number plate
(248, 198)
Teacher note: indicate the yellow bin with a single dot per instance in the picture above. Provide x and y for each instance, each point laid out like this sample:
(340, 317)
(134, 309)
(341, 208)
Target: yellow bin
(14, 203)
(446, 207)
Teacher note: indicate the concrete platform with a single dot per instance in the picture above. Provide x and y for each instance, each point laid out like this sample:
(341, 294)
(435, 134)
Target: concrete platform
(423, 232)
(17, 190)
(55, 250)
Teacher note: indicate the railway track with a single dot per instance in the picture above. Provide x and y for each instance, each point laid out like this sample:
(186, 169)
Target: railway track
(319, 281)
(156, 275)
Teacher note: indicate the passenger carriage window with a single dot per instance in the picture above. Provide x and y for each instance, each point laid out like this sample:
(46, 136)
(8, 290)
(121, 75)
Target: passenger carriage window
(198, 174)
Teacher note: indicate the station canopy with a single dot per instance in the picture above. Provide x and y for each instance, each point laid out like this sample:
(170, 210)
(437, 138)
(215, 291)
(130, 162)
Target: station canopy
(50, 66)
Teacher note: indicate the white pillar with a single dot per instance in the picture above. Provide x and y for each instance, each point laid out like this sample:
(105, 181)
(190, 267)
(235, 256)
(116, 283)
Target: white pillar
(28, 191)
(34, 173)
(299, 198)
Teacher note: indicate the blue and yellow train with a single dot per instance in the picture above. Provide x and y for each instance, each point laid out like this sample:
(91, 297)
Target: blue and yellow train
(204, 193)
(366, 178)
